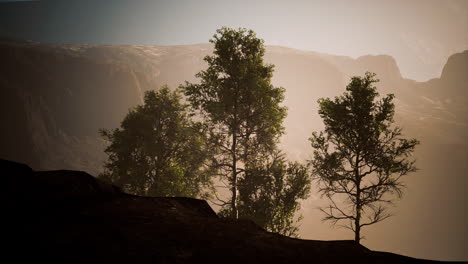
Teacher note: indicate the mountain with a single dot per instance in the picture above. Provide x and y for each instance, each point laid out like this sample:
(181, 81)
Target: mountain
(71, 216)
(55, 98)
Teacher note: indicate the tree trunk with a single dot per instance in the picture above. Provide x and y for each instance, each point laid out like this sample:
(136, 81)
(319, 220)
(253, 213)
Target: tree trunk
(235, 213)
(357, 229)
(357, 220)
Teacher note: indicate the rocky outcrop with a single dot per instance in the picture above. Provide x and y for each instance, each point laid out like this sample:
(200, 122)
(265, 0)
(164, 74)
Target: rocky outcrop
(455, 70)
(70, 216)
(453, 81)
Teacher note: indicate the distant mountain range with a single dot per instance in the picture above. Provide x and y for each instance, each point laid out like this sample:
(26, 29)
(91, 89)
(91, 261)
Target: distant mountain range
(55, 98)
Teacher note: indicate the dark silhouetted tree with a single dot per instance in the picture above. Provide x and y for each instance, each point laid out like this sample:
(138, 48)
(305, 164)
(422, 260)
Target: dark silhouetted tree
(360, 159)
(158, 150)
(236, 99)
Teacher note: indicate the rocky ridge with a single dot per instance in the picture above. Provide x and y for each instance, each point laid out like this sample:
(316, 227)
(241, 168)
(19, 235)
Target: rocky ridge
(70, 216)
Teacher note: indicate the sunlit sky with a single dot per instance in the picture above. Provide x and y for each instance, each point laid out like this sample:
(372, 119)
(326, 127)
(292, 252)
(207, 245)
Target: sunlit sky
(419, 34)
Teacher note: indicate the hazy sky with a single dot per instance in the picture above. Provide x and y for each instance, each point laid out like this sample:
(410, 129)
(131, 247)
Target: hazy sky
(419, 34)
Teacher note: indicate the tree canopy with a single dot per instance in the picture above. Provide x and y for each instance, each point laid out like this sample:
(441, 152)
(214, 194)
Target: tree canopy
(360, 157)
(158, 150)
(236, 99)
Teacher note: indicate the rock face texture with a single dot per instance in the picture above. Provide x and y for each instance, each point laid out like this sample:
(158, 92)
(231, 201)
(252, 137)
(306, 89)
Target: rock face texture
(53, 99)
(72, 217)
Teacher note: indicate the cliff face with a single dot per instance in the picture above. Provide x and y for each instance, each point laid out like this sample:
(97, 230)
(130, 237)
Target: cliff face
(454, 75)
(71, 216)
(54, 102)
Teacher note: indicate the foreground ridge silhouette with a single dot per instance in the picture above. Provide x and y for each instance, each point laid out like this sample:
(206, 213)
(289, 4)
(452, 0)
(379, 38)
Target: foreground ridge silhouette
(72, 217)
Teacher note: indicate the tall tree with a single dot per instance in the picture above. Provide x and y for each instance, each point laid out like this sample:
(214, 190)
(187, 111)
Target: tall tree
(359, 156)
(269, 193)
(158, 150)
(236, 98)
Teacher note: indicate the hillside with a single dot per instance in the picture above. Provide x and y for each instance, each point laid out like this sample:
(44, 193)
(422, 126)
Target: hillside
(70, 215)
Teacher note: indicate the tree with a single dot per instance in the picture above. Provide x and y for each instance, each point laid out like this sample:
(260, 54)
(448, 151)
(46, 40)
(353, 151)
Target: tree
(359, 156)
(236, 98)
(269, 193)
(159, 150)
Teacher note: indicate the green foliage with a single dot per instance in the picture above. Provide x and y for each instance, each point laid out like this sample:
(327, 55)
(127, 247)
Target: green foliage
(269, 194)
(158, 150)
(359, 156)
(237, 100)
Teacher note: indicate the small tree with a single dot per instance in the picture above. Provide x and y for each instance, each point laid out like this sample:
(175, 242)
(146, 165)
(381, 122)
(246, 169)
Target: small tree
(359, 156)
(158, 151)
(237, 100)
(269, 193)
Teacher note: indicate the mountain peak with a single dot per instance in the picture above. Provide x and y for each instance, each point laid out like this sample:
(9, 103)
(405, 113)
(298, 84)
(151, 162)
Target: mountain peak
(456, 68)
(384, 65)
